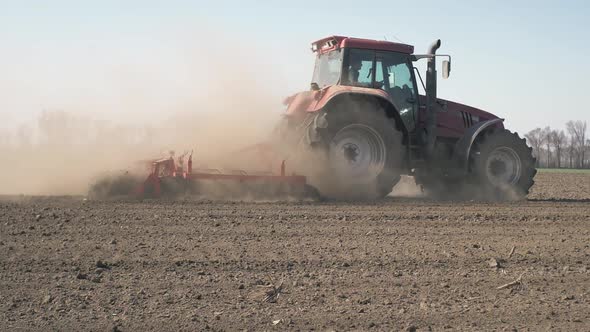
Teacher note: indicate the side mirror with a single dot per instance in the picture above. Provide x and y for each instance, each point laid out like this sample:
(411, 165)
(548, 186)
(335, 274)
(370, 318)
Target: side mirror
(446, 69)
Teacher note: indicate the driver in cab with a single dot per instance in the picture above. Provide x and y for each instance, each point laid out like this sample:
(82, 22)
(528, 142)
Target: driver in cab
(353, 74)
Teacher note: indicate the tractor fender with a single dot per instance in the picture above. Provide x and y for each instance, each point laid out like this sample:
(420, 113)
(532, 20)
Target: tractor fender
(315, 100)
(464, 144)
(310, 107)
(337, 92)
(328, 105)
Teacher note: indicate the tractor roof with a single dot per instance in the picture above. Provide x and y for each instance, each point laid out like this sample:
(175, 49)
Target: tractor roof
(333, 42)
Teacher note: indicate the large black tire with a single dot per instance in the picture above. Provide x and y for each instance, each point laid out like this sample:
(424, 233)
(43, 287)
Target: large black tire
(502, 165)
(362, 151)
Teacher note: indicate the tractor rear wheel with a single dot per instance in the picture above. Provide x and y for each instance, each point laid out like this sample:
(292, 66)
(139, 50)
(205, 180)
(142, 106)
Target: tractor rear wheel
(503, 165)
(363, 154)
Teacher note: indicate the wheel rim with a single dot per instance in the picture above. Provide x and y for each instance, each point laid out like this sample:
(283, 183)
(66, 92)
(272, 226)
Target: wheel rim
(357, 153)
(503, 166)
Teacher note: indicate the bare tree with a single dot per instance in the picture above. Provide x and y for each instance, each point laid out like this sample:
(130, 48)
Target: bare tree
(577, 131)
(558, 139)
(571, 151)
(548, 139)
(536, 138)
(583, 142)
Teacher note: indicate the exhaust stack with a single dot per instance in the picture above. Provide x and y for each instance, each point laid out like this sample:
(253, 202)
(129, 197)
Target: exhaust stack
(431, 99)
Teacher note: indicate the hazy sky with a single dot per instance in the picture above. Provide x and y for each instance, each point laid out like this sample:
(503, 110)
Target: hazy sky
(527, 61)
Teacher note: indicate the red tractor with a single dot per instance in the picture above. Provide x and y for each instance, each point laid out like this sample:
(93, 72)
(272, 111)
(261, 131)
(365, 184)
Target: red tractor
(365, 122)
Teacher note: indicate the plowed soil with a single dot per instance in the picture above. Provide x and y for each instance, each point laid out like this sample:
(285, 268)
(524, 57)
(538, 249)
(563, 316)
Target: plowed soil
(398, 264)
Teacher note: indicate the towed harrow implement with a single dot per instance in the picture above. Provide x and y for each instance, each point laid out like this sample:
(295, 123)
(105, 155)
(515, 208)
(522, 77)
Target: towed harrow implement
(171, 177)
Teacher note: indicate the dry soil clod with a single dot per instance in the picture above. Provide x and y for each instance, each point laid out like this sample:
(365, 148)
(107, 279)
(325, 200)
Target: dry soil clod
(495, 263)
(272, 295)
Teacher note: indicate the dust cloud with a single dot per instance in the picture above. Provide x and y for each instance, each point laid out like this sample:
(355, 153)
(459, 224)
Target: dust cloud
(223, 107)
(407, 187)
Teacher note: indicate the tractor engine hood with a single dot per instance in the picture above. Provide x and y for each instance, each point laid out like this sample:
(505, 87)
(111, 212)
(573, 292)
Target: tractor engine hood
(454, 118)
(476, 112)
(454, 107)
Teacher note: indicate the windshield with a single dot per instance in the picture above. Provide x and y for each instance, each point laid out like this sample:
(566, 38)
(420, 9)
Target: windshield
(327, 68)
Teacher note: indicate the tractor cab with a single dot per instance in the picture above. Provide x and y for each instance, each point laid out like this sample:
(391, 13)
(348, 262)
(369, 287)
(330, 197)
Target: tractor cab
(372, 64)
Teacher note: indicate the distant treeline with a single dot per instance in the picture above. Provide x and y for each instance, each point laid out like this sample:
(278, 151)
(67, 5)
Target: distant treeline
(556, 148)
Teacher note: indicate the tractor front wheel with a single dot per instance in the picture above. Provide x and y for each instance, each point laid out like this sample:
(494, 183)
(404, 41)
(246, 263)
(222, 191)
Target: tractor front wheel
(503, 165)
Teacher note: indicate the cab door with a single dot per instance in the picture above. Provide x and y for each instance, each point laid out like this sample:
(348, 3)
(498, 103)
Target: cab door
(394, 74)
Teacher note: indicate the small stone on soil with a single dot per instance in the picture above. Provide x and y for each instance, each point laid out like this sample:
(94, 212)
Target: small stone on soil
(47, 299)
(365, 301)
(102, 265)
(495, 263)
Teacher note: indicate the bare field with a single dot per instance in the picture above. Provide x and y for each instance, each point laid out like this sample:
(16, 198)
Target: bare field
(397, 264)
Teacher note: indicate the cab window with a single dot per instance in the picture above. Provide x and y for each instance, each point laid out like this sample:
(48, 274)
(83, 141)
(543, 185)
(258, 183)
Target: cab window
(358, 69)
